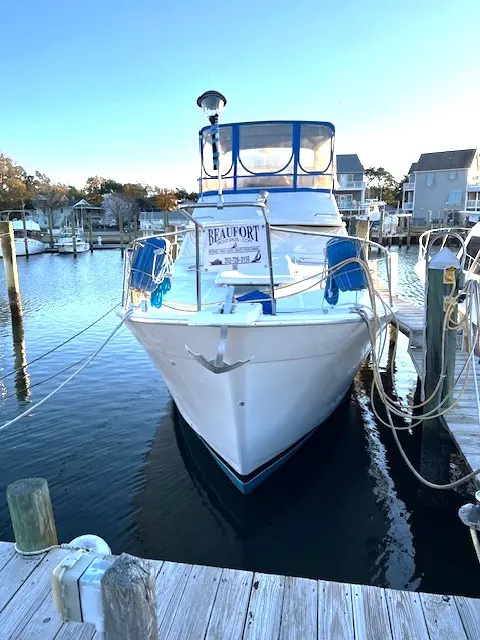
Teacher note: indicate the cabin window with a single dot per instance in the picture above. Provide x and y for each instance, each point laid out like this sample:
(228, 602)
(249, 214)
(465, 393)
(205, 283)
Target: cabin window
(430, 179)
(225, 135)
(452, 175)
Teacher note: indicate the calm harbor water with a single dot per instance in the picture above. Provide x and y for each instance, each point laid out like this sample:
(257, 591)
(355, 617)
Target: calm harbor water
(122, 464)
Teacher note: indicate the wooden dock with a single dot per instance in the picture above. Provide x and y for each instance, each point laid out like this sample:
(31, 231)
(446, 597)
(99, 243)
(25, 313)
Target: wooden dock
(198, 602)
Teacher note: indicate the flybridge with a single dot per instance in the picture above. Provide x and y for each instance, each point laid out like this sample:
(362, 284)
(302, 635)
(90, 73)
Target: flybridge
(275, 155)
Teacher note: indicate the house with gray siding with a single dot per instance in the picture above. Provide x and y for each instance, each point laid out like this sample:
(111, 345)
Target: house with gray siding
(350, 184)
(443, 186)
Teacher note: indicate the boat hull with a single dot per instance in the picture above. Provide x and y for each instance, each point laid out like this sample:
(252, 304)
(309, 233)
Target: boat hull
(68, 248)
(255, 416)
(34, 246)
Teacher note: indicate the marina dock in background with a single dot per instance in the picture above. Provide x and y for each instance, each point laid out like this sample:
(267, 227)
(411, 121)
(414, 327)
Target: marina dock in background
(198, 602)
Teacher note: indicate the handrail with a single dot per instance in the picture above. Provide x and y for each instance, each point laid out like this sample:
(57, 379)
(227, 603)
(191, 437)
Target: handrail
(424, 244)
(260, 204)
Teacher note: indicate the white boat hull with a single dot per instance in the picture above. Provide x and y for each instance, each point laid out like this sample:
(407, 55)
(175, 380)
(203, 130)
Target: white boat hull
(68, 248)
(34, 246)
(249, 416)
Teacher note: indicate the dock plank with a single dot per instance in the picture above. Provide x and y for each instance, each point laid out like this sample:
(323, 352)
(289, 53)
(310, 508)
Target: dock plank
(76, 631)
(194, 609)
(14, 574)
(170, 585)
(231, 604)
(7, 551)
(335, 612)
(406, 616)
(16, 615)
(442, 617)
(469, 610)
(300, 610)
(370, 613)
(265, 609)
(45, 623)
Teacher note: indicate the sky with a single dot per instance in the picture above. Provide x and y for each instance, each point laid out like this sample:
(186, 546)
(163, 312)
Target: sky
(109, 87)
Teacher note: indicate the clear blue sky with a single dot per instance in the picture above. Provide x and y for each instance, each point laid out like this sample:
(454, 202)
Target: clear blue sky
(109, 87)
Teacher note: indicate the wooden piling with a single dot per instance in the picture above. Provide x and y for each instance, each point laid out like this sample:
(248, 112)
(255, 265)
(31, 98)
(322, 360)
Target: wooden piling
(50, 227)
(380, 227)
(443, 274)
(7, 243)
(129, 599)
(31, 514)
(120, 228)
(409, 231)
(25, 235)
(74, 232)
(90, 231)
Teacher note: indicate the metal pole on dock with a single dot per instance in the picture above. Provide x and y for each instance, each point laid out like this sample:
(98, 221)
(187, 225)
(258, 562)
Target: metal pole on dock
(74, 232)
(25, 238)
(11, 272)
(129, 599)
(31, 514)
(443, 275)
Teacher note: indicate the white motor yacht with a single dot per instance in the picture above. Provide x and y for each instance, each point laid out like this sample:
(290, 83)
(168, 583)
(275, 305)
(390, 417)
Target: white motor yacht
(255, 328)
(28, 236)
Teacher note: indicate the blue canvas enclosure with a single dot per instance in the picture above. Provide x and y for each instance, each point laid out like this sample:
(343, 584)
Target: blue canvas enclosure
(149, 263)
(350, 277)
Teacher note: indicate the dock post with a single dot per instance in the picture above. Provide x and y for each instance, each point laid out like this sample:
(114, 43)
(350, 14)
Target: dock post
(393, 255)
(409, 231)
(90, 231)
(25, 237)
(120, 228)
(363, 231)
(74, 232)
(7, 243)
(31, 514)
(443, 274)
(129, 599)
(380, 227)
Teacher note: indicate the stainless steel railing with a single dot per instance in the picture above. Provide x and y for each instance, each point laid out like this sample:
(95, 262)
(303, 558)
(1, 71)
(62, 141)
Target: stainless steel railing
(260, 203)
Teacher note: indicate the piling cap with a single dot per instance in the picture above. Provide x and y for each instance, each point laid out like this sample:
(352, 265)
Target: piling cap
(444, 259)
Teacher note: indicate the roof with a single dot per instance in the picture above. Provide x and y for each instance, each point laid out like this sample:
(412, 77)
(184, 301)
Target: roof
(461, 159)
(412, 168)
(349, 163)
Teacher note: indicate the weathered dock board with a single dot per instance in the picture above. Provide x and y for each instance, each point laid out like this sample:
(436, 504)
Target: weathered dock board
(198, 602)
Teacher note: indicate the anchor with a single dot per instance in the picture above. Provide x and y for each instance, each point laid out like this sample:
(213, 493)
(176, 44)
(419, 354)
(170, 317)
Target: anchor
(219, 365)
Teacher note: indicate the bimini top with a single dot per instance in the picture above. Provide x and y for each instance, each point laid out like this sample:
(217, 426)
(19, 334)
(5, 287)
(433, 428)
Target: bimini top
(283, 155)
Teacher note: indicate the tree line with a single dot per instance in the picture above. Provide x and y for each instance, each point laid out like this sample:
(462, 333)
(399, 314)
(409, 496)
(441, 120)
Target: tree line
(382, 185)
(19, 189)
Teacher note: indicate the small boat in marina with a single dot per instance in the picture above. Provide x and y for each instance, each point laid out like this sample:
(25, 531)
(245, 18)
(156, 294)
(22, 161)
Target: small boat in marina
(71, 242)
(28, 236)
(260, 324)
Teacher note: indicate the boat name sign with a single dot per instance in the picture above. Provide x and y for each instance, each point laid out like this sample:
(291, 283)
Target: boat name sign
(234, 244)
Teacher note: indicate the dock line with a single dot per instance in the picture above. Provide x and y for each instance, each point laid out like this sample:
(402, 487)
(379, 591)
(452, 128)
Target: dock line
(62, 344)
(71, 377)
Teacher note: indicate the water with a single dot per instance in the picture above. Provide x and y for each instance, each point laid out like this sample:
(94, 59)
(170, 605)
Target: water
(121, 463)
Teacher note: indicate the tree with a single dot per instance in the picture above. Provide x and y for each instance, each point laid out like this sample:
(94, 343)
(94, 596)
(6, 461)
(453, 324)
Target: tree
(50, 199)
(381, 184)
(121, 210)
(165, 199)
(135, 190)
(182, 194)
(13, 189)
(96, 187)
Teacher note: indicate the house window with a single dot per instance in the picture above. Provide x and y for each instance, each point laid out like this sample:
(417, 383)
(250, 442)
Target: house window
(452, 175)
(455, 197)
(350, 177)
(429, 180)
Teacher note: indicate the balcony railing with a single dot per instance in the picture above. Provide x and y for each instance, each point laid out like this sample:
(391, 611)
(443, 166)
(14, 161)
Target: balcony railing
(351, 206)
(407, 206)
(473, 204)
(356, 184)
(473, 187)
(408, 186)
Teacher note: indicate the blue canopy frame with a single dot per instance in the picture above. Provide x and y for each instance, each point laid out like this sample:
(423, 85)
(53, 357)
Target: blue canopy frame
(295, 157)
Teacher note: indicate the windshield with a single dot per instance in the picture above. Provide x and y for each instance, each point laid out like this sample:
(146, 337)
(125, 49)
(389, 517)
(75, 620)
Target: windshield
(282, 155)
